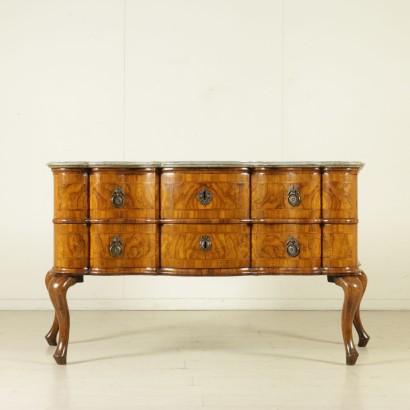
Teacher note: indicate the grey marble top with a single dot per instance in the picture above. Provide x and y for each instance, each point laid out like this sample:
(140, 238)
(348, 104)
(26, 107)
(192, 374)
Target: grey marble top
(207, 164)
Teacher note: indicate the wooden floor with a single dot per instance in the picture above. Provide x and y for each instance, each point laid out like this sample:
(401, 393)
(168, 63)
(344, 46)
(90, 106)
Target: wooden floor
(204, 360)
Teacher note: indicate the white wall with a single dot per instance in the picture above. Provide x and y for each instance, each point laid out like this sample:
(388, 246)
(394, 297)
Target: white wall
(204, 80)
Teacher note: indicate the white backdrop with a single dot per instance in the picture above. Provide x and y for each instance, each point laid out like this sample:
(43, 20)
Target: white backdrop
(204, 80)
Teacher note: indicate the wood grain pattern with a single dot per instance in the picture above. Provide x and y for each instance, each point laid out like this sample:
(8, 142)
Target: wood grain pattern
(339, 247)
(205, 271)
(71, 194)
(269, 247)
(339, 193)
(140, 248)
(270, 189)
(229, 188)
(180, 246)
(140, 188)
(71, 246)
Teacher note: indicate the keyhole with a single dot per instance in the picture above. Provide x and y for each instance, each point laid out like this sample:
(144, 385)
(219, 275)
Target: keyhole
(205, 243)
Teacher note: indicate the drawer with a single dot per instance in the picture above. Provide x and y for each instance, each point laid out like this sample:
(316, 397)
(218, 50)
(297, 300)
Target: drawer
(289, 248)
(340, 248)
(124, 194)
(71, 247)
(124, 248)
(206, 246)
(205, 194)
(339, 193)
(286, 194)
(70, 194)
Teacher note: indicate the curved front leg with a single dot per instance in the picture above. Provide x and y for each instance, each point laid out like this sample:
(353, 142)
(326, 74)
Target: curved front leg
(363, 336)
(51, 336)
(57, 288)
(353, 291)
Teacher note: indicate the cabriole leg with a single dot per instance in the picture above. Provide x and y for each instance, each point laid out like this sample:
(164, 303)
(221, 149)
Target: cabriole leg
(363, 336)
(57, 289)
(353, 291)
(51, 336)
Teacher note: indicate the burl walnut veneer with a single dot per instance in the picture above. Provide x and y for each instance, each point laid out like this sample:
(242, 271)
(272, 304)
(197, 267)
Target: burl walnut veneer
(206, 218)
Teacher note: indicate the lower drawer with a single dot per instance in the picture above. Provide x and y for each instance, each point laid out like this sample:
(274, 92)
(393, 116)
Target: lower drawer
(71, 249)
(204, 246)
(286, 248)
(340, 248)
(124, 248)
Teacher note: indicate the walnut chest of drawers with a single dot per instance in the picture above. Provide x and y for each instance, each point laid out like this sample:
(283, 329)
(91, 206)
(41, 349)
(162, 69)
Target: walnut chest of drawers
(206, 218)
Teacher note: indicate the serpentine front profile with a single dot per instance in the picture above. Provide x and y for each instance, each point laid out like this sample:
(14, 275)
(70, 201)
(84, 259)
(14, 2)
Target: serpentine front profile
(206, 218)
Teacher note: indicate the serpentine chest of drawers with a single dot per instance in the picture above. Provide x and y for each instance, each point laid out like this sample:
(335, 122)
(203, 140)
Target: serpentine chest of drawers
(206, 218)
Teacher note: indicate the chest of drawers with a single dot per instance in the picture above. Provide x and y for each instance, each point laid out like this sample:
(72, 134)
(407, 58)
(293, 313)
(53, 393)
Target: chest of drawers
(206, 218)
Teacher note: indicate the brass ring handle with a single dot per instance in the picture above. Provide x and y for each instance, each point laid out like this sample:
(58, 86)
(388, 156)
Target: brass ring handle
(117, 197)
(205, 243)
(292, 247)
(116, 247)
(204, 196)
(294, 198)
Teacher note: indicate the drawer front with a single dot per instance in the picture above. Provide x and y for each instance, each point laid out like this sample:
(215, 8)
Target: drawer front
(339, 194)
(124, 248)
(205, 246)
(124, 194)
(70, 194)
(71, 249)
(286, 194)
(340, 248)
(289, 248)
(205, 194)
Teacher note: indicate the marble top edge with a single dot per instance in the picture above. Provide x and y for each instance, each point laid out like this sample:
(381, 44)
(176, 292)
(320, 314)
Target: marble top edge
(105, 164)
(305, 164)
(208, 164)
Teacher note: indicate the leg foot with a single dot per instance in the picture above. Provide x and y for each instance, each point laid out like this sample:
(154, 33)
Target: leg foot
(353, 291)
(363, 336)
(51, 336)
(60, 355)
(57, 288)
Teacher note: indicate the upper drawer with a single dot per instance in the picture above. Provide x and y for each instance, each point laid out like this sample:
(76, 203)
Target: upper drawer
(70, 194)
(124, 194)
(286, 193)
(339, 193)
(205, 194)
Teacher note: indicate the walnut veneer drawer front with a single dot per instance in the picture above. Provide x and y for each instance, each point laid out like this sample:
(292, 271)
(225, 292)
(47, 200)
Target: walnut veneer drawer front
(339, 196)
(288, 248)
(286, 193)
(124, 194)
(71, 246)
(205, 246)
(124, 248)
(340, 248)
(70, 194)
(205, 194)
